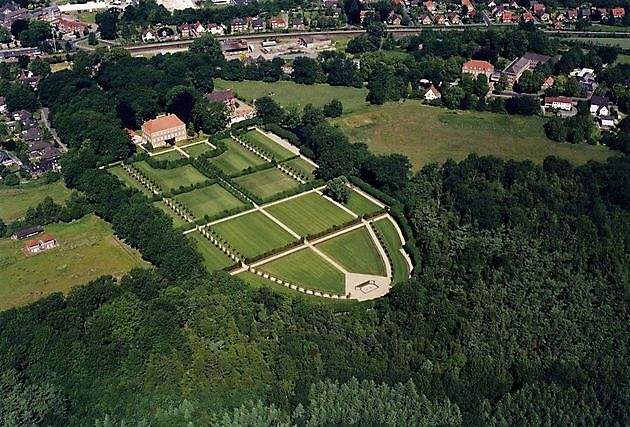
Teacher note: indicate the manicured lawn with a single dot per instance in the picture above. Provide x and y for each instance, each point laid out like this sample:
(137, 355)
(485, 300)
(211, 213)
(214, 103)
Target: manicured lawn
(209, 201)
(428, 134)
(197, 149)
(213, 258)
(293, 94)
(308, 269)
(277, 151)
(87, 249)
(386, 230)
(300, 165)
(14, 201)
(355, 251)
(127, 179)
(309, 214)
(253, 234)
(169, 155)
(266, 183)
(168, 179)
(360, 205)
(178, 221)
(236, 158)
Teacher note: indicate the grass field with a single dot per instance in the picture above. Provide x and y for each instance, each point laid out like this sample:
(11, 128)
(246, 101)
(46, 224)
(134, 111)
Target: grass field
(360, 205)
(87, 249)
(623, 43)
(427, 134)
(16, 200)
(302, 166)
(128, 180)
(309, 214)
(386, 229)
(266, 183)
(623, 59)
(277, 151)
(168, 179)
(178, 221)
(197, 149)
(213, 258)
(211, 200)
(308, 269)
(236, 158)
(169, 155)
(355, 251)
(609, 28)
(296, 95)
(253, 234)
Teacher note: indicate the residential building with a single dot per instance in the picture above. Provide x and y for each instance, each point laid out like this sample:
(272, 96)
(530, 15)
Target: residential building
(67, 26)
(225, 96)
(42, 244)
(234, 46)
(239, 26)
(42, 151)
(198, 28)
(148, 35)
(277, 23)
(297, 23)
(185, 31)
(425, 19)
(258, 24)
(618, 12)
(559, 103)
(163, 130)
(432, 94)
(600, 106)
(28, 232)
(31, 134)
(529, 61)
(607, 122)
(215, 29)
(477, 67)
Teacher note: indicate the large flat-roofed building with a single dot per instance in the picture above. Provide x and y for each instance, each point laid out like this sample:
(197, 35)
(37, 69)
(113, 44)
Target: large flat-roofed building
(163, 130)
(477, 67)
(529, 61)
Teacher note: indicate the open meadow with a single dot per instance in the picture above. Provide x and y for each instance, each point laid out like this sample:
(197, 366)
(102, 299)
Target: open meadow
(428, 134)
(309, 214)
(297, 95)
(87, 249)
(266, 183)
(355, 251)
(168, 179)
(211, 201)
(17, 199)
(253, 234)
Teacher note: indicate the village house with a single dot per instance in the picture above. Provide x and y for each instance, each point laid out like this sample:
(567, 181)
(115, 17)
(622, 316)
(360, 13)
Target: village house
(572, 14)
(225, 96)
(258, 25)
(430, 6)
(477, 67)
(425, 20)
(618, 12)
(432, 94)
(441, 20)
(42, 244)
(6, 160)
(215, 29)
(148, 35)
(198, 28)
(600, 106)
(297, 23)
(454, 18)
(607, 122)
(185, 31)
(277, 23)
(239, 26)
(67, 26)
(559, 103)
(42, 151)
(527, 16)
(163, 130)
(549, 81)
(31, 134)
(28, 232)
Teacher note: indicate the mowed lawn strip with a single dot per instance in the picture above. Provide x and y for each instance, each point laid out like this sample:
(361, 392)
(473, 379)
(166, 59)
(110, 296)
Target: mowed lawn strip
(253, 234)
(309, 214)
(169, 155)
(429, 134)
(87, 250)
(211, 200)
(128, 180)
(14, 201)
(213, 258)
(277, 151)
(178, 221)
(168, 179)
(306, 268)
(392, 241)
(361, 205)
(236, 158)
(355, 251)
(197, 149)
(266, 183)
(302, 166)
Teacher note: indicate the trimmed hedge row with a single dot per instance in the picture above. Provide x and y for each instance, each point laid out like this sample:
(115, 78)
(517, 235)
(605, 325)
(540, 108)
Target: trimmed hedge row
(168, 164)
(288, 193)
(245, 123)
(283, 133)
(373, 191)
(252, 169)
(333, 229)
(225, 213)
(272, 252)
(185, 189)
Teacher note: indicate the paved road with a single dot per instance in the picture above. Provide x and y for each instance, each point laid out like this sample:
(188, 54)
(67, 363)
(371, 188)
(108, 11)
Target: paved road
(51, 129)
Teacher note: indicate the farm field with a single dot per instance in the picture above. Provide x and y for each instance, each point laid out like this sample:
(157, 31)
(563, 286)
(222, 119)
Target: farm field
(236, 158)
(360, 205)
(266, 183)
(167, 179)
(390, 236)
(309, 214)
(213, 258)
(428, 134)
(178, 221)
(169, 155)
(16, 200)
(296, 95)
(128, 180)
(211, 201)
(355, 251)
(307, 268)
(253, 234)
(300, 165)
(87, 249)
(197, 149)
(277, 151)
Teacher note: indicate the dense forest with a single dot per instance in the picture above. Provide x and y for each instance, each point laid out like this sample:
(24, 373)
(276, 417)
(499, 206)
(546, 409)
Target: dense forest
(516, 315)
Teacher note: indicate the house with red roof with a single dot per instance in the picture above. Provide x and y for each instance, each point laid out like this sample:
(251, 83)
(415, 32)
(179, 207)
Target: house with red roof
(432, 94)
(163, 130)
(618, 12)
(277, 23)
(42, 244)
(558, 103)
(477, 67)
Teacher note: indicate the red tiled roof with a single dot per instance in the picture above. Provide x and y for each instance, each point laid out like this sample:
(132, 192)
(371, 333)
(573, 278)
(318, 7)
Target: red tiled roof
(561, 99)
(162, 123)
(618, 12)
(47, 238)
(476, 64)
